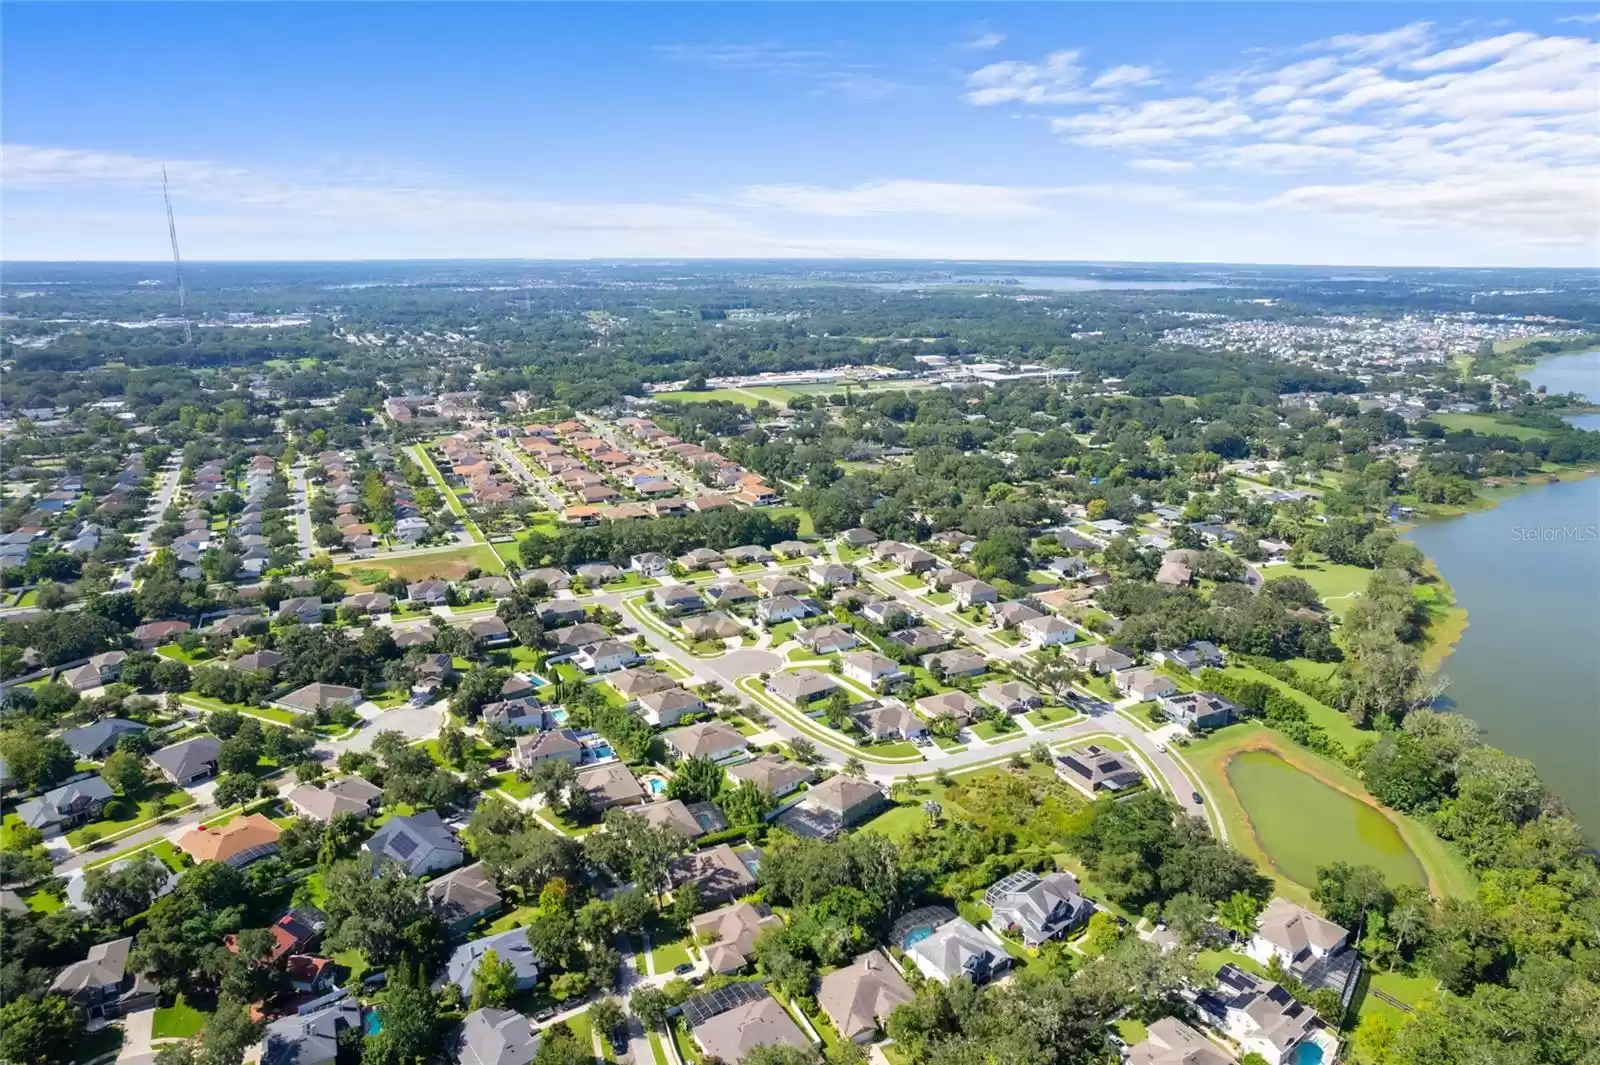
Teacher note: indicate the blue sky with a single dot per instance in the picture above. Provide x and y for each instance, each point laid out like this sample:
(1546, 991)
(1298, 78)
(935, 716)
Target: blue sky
(1293, 133)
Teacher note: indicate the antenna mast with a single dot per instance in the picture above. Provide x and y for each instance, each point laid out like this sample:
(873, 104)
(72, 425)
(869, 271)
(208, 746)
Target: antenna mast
(177, 261)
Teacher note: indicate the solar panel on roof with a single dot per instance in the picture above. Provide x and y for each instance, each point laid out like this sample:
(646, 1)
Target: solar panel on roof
(402, 844)
(702, 1008)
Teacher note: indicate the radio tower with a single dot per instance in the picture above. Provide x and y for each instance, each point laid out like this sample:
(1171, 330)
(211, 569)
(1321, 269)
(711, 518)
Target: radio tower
(177, 261)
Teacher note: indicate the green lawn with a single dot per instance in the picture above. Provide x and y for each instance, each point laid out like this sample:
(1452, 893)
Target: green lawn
(1335, 724)
(897, 822)
(1337, 584)
(727, 395)
(163, 799)
(668, 949)
(188, 658)
(266, 713)
(909, 580)
(987, 730)
(1485, 425)
(1209, 961)
(1130, 1030)
(806, 529)
(177, 1021)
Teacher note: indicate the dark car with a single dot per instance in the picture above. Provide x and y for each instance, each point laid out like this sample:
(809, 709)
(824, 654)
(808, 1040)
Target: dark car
(619, 1040)
(680, 970)
(1198, 798)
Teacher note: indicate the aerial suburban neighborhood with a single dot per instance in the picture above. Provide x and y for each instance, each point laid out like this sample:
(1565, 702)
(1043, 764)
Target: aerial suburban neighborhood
(680, 658)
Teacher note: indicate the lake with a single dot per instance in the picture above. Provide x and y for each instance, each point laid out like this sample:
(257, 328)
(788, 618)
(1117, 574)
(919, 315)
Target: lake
(1578, 372)
(1302, 823)
(1528, 667)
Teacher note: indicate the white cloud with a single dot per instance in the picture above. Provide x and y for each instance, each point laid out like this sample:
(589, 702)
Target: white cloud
(826, 70)
(1117, 77)
(1164, 166)
(1414, 124)
(1056, 80)
(899, 197)
(985, 41)
(1581, 19)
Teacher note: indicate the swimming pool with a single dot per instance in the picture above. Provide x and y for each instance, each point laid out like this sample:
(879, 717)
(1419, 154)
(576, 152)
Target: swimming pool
(371, 1023)
(656, 785)
(915, 936)
(601, 750)
(558, 715)
(1308, 1053)
(536, 680)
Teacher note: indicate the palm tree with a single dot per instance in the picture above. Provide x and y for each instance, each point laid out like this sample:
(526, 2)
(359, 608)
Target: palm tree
(855, 767)
(1238, 913)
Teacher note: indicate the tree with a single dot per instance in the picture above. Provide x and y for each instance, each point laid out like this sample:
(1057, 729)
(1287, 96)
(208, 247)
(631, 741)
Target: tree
(494, 981)
(35, 762)
(227, 1034)
(649, 1005)
(1187, 916)
(235, 789)
(375, 907)
(552, 778)
(633, 849)
(125, 772)
(45, 1031)
(697, 779)
(854, 767)
(606, 1016)
(1237, 913)
(116, 895)
(685, 903)
(1347, 893)
(837, 708)
(410, 1016)
(804, 751)
(747, 804)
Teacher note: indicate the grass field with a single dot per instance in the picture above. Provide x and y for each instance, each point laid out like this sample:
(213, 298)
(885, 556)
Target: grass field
(1485, 425)
(177, 1021)
(1301, 822)
(1337, 584)
(444, 565)
(1444, 867)
(727, 395)
(1335, 724)
(667, 949)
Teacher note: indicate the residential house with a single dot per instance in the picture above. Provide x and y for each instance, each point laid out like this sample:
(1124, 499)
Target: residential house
(1201, 654)
(716, 625)
(421, 843)
(309, 974)
(913, 559)
(1037, 908)
(674, 814)
(731, 1035)
(306, 609)
(956, 663)
(1010, 615)
(730, 593)
(870, 669)
(1198, 711)
(889, 720)
(1099, 658)
(190, 761)
(559, 612)
(1298, 938)
(831, 574)
(597, 573)
(859, 998)
(748, 555)
(101, 984)
(430, 592)
(954, 949)
(887, 613)
(921, 639)
(610, 784)
(728, 935)
(369, 602)
(94, 741)
(463, 897)
(847, 799)
(1169, 1041)
(1012, 696)
(666, 707)
(351, 794)
(66, 807)
(605, 656)
(1263, 1018)
(238, 843)
(573, 637)
(858, 537)
(716, 872)
(1143, 684)
(794, 549)
(958, 706)
(560, 744)
(519, 715)
(773, 775)
(319, 696)
(777, 584)
(1048, 631)
(707, 739)
(632, 683)
(801, 687)
(677, 599)
(783, 608)
(510, 946)
(496, 1037)
(152, 634)
(971, 593)
(1093, 769)
(650, 564)
(491, 631)
(827, 639)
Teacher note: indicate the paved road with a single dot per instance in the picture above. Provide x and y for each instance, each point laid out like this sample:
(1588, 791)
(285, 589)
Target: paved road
(302, 509)
(152, 834)
(520, 471)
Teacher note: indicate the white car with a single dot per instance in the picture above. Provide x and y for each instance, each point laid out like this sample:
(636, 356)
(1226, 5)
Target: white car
(1161, 747)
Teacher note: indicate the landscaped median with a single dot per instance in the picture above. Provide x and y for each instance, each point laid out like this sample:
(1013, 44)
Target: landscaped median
(639, 607)
(420, 453)
(751, 686)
